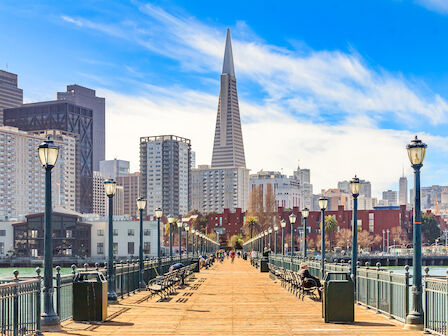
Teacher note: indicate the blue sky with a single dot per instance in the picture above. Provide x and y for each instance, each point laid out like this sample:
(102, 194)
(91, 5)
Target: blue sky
(339, 85)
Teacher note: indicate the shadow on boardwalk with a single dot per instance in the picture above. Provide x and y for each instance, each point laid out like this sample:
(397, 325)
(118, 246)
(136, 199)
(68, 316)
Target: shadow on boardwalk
(230, 299)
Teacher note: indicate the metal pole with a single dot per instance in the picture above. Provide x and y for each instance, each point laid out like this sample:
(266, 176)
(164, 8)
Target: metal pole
(171, 243)
(388, 241)
(159, 262)
(275, 242)
(322, 262)
(283, 241)
(111, 295)
(140, 253)
(415, 317)
(270, 241)
(49, 319)
(186, 243)
(304, 237)
(292, 239)
(180, 243)
(355, 239)
(384, 233)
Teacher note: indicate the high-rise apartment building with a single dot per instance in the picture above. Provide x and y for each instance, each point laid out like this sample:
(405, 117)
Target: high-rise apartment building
(86, 97)
(99, 194)
(228, 148)
(22, 180)
(131, 186)
(226, 183)
(165, 167)
(403, 191)
(10, 94)
(216, 189)
(112, 169)
(67, 117)
(390, 196)
(306, 188)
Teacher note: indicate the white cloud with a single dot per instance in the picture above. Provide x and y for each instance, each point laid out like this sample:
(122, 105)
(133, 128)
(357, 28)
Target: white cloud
(440, 6)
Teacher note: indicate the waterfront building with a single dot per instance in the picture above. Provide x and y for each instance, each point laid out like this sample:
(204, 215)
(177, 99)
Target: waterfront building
(131, 191)
(86, 97)
(22, 186)
(403, 190)
(165, 168)
(99, 194)
(112, 169)
(390, 197)
(10, 94)
(70, 118)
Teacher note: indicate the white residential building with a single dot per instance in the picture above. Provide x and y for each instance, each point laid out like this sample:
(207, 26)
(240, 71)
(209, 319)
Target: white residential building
(99, 194)
(22, 182)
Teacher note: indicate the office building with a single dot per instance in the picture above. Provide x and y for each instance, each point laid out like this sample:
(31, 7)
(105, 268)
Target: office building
(228, 148)
(86, 97)
(165, 167)
(112, 169)
(10, 94)
(306, 188)
(117, 202)
(366, 188)
(67, 117)
(403, 190)
(22, 178)
(390, 196)
(99, 194)
(131, 189)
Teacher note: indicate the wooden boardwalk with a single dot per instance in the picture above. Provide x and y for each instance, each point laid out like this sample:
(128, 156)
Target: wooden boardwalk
(230, 299)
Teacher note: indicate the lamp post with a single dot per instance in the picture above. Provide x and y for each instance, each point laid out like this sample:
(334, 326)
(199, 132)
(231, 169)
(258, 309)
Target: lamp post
(265, 239)
(275, 237)
(355, 188)
(387, 235)
(292, 220)
(270, 238)
(384, 242)
(193, 234)
(305, 214)
(187, 228)
(416, 152)
(110, 186)
(159, 214)
(323, 203)
(48, 155)
(283, 225)
(170, 223)
(179, 231)
(141, 205)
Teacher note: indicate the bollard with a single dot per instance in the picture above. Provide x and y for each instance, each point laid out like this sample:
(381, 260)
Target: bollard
(86, 266)
(122, 279)
(97, 266)
(73, 270)
(15, 317)
(38, 301)
(58, 291)
(129, 277)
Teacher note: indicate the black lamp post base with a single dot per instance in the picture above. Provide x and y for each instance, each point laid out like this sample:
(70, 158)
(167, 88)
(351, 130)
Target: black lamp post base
(50, 322)
(112, 296)
(414, 321)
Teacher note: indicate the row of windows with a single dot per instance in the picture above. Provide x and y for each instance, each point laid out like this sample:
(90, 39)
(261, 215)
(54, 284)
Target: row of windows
(131, 232)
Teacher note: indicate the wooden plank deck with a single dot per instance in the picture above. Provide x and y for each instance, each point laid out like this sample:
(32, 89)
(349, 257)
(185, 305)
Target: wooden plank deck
(230, 299)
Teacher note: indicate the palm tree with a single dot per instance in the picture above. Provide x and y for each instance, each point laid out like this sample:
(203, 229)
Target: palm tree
(251, 225)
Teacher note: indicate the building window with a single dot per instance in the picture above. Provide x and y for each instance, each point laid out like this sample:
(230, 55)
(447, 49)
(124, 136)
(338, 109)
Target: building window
(99, 248)
(115, 232)
(371, 222)
(2, 233)
(100, 233)
(115, 248)
(68, 233)
(131, 232)
(147, 248)
(130, 247)
(33, 233)
(147, 232)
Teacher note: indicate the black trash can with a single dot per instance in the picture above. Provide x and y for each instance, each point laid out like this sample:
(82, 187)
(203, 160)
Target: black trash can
(195, 261)
(89, 297)
(338, 301)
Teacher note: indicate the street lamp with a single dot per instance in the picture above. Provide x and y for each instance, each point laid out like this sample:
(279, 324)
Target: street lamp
(179, 231)
(416, 152)
(323, 203)
(187, 228)
(111, 186)
(270, 238)
(159, 214)
(292, 220)
(170, 222)
(283, 225)
(193, 234)
(355, 188)
(141, 205)
(305, 214)
(48, 155)
(275, 237)
(387, 239)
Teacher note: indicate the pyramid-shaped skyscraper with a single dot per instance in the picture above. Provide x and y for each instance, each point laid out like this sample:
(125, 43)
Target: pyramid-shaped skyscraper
(228, 147)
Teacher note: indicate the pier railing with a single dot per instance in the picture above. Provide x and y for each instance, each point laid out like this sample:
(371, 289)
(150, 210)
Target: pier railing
(436, 303)
(21, 298)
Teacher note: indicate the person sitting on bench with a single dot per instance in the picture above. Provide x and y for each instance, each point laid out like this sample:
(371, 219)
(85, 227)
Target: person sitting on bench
(306, 277)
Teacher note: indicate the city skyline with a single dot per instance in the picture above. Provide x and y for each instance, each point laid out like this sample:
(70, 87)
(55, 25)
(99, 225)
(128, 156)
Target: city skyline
(381, 104)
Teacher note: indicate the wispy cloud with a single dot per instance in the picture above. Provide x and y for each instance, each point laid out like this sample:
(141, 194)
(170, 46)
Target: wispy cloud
(440, 6)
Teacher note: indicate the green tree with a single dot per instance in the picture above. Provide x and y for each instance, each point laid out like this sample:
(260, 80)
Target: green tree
(430, 228)
(331, 226)
(251, 226)
(236, 242)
